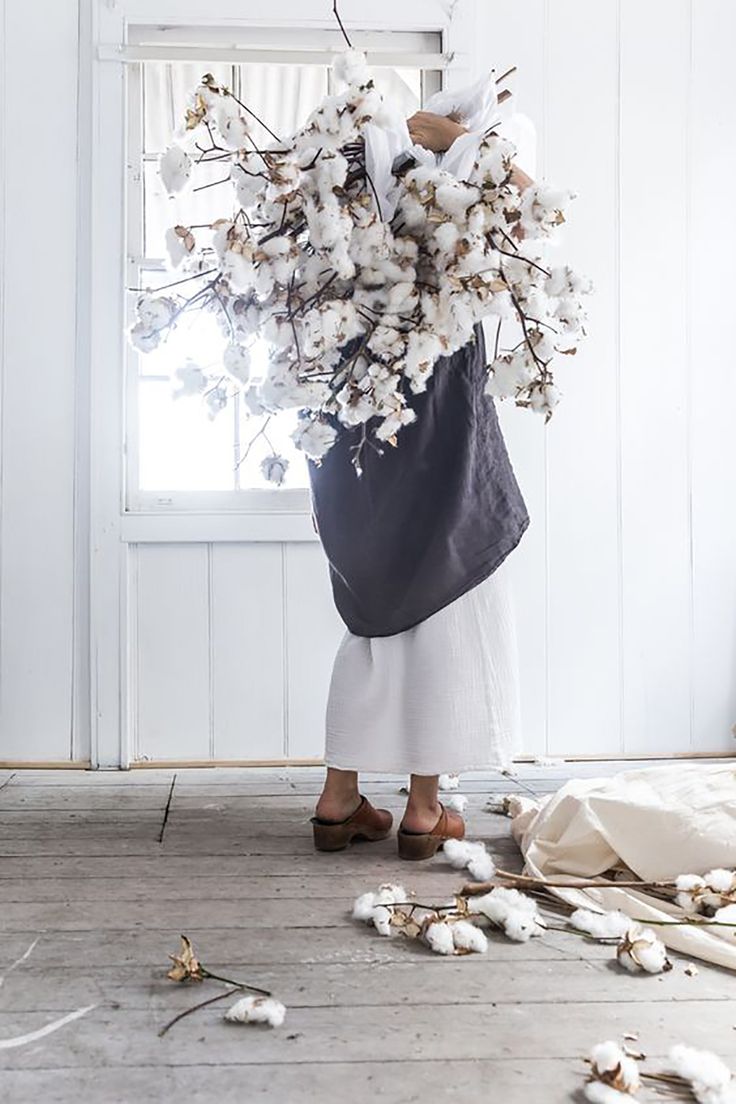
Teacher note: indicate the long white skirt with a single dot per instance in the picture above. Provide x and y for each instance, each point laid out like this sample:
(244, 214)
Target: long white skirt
(442, 697)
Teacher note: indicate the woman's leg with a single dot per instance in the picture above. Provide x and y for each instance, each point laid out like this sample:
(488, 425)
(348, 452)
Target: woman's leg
(423, 807)
(340, 797)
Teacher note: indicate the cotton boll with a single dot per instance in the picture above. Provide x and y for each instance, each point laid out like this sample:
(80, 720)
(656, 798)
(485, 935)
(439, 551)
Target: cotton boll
(614, 1067)
(190, 378)
(448, 781)
(469, 937)
(395, 421)
(274, 469)
(215, 401)
(455, 197)
(481, 868)
(446, 236)
(640, 949)
(143, 339)
(350, 67)
(690, 887)
(544, 398)
(363, 907)
(439, 938)
(175, 168)
(457, 802)
(155, 312)
(382, 920)
(459, 852)
(236, 362)
(180, 243)
(602, 925)
(710, 1078)
(234, 131)
(511, 910)
(257, 1010)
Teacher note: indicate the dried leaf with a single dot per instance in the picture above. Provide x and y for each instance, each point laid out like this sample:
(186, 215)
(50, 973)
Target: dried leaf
(186, 964)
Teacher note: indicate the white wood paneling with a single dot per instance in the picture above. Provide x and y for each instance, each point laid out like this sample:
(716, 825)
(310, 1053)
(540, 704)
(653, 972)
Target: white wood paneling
(713, 378)
(247, 649)
(38, 69)
(581, 148)
(654, 375)
(171, 651)
(313, 631)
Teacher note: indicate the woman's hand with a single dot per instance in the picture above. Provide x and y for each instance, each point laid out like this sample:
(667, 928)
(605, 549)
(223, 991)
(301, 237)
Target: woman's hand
(434, 132)
(520, 178)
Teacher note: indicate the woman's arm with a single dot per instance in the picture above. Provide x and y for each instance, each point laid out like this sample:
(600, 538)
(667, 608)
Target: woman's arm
(438, 132)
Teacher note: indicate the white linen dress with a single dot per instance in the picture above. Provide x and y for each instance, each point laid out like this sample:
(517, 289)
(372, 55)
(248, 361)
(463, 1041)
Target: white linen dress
(441, 697)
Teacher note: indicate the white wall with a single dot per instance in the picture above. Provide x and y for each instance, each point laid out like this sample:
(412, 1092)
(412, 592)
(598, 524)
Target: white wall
(626, 580)
(38, 235)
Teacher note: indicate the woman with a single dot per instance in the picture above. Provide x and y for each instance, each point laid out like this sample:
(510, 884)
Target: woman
(424, 681)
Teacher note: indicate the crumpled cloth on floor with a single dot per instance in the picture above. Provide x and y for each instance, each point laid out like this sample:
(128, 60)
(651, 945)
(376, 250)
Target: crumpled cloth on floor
(656, 822)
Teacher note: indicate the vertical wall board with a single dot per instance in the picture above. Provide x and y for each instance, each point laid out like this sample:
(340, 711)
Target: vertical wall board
(581, 142)
(39, 74)
(513, 35)
(312, 631)
(713, 378)
(247, 651)
(173, 659)
(654, 375)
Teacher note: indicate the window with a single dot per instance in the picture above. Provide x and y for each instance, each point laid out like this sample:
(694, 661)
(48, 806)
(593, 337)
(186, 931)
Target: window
(177, 454)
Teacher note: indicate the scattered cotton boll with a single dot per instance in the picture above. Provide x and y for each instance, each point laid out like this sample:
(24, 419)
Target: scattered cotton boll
(449, 781)
(613, 1067)
(468, 937)
(603, 925)
(190, 378)
(314, 437)
(457, 802)
(710, 1078)
(439, 937)
(640, 949)
(511, 910)
(381, 919)
(257, 1010)
(175, 168)
(481, 867)
(350, 67)
(689, 887)
(180, 243)
(364, 906)
(722, 883)
(274, 469)
(236, 362)
(459, 852)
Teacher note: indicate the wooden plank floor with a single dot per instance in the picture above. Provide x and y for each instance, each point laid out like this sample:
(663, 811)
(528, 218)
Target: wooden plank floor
(99, 872)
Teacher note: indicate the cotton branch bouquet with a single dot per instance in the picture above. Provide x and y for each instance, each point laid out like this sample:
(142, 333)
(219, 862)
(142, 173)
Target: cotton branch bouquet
(356, 306)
